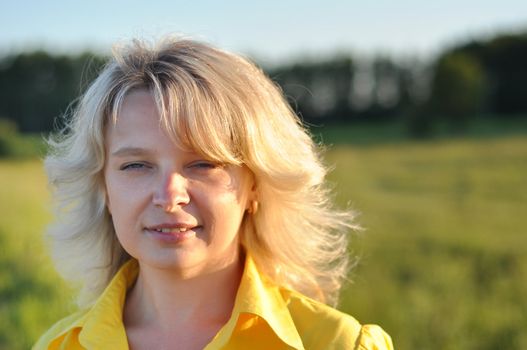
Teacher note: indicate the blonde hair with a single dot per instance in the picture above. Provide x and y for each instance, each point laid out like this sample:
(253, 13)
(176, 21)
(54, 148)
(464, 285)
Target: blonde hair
(224, 107)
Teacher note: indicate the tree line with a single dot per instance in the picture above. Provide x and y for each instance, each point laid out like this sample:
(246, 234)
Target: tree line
(466, 82)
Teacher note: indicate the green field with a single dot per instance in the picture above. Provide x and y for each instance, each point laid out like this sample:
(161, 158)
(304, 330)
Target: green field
(443, 258)
(31, 295)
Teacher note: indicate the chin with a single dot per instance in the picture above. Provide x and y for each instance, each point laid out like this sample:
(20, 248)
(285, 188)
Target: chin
(184, 264)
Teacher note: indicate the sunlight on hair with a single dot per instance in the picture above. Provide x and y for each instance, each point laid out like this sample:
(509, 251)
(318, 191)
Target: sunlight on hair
(224, 107)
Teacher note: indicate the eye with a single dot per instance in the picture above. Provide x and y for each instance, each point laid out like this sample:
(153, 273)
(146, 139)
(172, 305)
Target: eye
(204, 165)
(134, 166)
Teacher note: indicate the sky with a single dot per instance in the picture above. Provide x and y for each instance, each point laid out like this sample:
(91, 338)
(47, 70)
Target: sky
(272, 30)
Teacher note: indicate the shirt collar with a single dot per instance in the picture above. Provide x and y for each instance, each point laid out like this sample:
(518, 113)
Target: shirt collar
(103, 323)
(102, 326)
(259, 296)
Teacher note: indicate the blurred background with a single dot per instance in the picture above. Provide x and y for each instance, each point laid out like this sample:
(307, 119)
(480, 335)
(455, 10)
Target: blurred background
(422, 107)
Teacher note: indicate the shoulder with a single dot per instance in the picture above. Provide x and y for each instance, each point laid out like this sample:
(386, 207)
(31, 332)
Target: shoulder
(62, 331)
(323, 327)
(103, 317)
(373, 337)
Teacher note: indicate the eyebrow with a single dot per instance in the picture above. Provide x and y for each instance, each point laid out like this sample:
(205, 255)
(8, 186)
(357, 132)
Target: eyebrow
(131, 151)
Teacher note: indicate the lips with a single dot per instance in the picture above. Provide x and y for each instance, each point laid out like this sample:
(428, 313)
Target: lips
(172, 232)
(172, 228)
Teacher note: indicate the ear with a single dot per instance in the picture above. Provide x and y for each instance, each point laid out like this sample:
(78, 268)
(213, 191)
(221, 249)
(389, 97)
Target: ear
(253, 190)
(251, 207)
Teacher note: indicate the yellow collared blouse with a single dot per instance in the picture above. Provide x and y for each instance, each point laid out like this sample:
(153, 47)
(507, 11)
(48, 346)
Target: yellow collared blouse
(265, 316)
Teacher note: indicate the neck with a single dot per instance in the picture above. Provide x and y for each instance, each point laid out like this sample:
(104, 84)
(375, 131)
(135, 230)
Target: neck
(164, 299)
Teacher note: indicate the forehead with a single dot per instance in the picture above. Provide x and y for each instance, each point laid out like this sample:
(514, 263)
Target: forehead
(187, 121)
(137, 121)
(137, 105)
(138, 127)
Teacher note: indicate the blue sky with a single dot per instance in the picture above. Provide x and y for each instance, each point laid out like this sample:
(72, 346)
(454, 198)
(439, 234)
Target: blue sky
(271, 30)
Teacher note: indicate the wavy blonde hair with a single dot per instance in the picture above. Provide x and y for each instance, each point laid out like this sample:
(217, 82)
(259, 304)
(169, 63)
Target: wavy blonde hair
(224, 107)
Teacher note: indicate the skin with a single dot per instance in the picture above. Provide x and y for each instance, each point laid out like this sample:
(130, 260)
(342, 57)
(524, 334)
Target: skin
(188, 280)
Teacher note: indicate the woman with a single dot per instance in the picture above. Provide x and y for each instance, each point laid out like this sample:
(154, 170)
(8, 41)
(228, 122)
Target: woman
(193, 212)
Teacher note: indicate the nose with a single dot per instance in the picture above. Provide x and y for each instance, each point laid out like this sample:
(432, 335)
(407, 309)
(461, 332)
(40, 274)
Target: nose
(171, 193)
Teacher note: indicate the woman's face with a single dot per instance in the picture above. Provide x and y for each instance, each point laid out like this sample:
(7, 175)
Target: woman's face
(171, 208)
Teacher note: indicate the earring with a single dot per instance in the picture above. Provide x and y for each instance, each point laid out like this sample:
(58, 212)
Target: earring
(253, 207)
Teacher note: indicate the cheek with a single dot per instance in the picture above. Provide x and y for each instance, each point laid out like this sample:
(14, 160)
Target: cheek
(226, 211)
(123, 199)
(120, 187)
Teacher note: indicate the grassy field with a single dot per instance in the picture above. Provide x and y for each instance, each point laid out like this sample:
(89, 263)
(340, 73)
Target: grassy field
(31, 295)
(443, 259)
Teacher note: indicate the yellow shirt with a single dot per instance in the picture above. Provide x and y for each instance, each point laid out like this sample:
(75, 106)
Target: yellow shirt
(265, 316)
